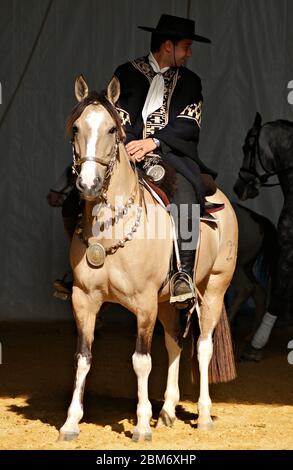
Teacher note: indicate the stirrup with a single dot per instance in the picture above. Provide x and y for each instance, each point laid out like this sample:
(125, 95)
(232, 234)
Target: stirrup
(211, 207)
(209, 218)
(182, 301)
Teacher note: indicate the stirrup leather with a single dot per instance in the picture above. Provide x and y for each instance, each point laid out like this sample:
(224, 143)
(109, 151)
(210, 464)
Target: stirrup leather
(188, 296)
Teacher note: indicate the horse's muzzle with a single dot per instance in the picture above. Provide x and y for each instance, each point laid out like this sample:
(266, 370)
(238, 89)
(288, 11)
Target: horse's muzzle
(93, 191)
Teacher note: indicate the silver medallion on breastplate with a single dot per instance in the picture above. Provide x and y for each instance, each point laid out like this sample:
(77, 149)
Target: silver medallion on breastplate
(96, 254)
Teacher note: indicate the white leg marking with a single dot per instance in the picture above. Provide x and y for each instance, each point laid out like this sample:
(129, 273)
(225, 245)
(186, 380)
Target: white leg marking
(204, 354)
(142, 365)
(172, 390)
(263, 333)
(75, 411)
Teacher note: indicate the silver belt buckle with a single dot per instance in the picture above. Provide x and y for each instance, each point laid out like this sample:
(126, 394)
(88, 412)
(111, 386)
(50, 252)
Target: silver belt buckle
(156, 173)
(154, 169)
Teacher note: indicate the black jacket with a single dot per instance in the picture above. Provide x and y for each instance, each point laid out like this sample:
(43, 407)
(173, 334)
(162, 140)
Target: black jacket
(179, 137)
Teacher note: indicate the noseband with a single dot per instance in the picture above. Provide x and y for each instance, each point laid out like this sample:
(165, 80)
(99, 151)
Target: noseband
(77, 161)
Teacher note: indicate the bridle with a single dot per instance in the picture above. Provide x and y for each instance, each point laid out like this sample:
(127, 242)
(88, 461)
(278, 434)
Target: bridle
(77, 161)
(102, 198)
(251, 170)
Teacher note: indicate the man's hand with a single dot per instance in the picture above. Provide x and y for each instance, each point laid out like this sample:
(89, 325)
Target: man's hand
(137, 149)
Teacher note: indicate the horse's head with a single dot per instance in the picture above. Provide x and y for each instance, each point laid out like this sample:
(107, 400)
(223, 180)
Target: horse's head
(249, 181)
(96, 131)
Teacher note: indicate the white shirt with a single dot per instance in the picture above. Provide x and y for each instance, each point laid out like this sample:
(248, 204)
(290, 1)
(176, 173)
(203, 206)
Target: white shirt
(155, 96)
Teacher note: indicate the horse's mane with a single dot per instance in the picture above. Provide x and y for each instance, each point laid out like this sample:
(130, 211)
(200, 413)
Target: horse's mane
(282, 122)
(94, 98)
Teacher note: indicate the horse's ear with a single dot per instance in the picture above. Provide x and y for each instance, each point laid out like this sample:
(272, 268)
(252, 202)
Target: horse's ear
(257, 121)
(113, 90)
(81, 88)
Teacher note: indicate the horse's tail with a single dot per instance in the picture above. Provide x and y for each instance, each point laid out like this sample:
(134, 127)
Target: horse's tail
(222, 365)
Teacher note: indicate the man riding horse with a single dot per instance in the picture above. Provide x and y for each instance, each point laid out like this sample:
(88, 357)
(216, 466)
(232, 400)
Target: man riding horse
(161, 107)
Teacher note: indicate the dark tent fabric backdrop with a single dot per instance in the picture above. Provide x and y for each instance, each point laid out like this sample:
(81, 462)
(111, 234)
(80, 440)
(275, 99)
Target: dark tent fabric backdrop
(246, 68)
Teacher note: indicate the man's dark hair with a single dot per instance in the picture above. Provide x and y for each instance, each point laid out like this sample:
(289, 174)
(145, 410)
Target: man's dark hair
(158, 39)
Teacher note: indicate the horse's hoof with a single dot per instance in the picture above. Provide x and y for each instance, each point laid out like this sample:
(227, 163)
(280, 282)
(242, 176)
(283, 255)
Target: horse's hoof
(138, 436)
(251, 354)
(208, 426)
(165, 419)
(68, 436)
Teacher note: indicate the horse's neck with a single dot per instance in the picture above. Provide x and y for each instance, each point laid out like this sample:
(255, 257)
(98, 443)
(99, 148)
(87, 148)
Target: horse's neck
(277, 144)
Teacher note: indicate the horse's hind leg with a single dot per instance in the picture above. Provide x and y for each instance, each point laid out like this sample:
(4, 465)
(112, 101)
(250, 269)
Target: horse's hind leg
(169, 318)
(210, 313)
(85, 314)
(142, 365)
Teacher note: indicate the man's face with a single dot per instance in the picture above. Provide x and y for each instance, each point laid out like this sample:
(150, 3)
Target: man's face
(182, 51)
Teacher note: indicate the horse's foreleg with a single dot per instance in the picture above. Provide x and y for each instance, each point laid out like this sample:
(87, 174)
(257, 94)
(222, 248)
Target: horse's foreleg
(142, 365)
(243, 290)
(169, 318)
(85, 315)
(259, 297)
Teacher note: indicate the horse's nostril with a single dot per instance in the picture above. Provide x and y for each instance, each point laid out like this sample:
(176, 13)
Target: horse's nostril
(97, 182)
(79, 184)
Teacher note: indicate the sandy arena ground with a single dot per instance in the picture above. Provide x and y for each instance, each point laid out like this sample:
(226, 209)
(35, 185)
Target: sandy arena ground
(253, 412)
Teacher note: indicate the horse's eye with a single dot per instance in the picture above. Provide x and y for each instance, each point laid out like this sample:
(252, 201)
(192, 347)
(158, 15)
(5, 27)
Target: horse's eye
(112, 130)
(74, 130)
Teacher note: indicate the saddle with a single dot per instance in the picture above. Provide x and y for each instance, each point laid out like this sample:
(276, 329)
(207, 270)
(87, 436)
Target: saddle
(210, 189)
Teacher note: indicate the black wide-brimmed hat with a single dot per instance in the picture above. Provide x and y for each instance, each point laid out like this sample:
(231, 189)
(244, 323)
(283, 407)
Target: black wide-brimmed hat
(174, 26)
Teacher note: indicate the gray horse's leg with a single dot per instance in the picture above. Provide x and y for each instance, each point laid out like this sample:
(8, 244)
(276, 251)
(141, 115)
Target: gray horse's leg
(142, 365)
(85, 314)
(169, 318)
(259, 297)
(243, 290)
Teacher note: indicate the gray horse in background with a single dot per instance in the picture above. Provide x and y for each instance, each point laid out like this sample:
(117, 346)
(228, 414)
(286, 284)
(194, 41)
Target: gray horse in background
(256, 264)
(268, 152)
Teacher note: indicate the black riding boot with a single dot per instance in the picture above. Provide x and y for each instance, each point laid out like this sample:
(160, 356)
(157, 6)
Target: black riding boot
(184, 294)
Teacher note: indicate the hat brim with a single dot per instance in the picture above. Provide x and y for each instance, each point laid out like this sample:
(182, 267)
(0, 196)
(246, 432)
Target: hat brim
(175, 34)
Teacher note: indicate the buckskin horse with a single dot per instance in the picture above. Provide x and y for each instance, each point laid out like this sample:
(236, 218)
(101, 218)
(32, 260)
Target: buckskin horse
(131, 267)
(268, 152)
